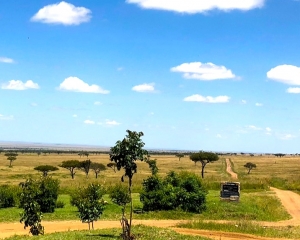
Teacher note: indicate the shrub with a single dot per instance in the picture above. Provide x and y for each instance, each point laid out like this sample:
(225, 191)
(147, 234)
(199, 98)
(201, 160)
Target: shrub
(183, 191)
(119, 195)
(89, 203)
(7, 197)
(31, 216)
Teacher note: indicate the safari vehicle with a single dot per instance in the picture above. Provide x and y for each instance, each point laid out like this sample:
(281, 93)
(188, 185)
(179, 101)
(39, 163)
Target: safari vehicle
(230, 191)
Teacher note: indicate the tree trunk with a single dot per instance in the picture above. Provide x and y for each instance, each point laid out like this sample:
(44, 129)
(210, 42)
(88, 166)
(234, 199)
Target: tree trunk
(202, 169)
(131, 207)
(249, 170)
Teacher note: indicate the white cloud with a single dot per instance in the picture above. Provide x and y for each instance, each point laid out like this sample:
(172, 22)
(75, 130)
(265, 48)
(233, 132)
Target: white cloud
(146, 87)
(112, 123)
(198, 6)
(293, 90)
(268, 129)
(75, 84)
(6, 60)
(89, 122)
(252, 127)
(120, 69)
(219, 136)
(3, 117)
(203, 71)
(74, 116)
(97, 103)
(208, 99)
(287, 136)
(287, 74)
(19, 85)
(244, 102)
(258, 104)
(62, 13)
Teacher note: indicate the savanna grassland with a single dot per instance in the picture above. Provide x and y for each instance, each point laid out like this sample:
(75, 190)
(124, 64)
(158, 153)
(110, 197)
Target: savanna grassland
(257, 202)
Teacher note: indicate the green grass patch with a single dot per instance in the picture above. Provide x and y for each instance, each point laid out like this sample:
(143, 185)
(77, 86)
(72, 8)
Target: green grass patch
(142, 232)
(246, 227)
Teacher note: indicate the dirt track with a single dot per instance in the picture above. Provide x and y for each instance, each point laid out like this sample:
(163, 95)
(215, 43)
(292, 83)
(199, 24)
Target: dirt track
(229, 169)
(290, 200)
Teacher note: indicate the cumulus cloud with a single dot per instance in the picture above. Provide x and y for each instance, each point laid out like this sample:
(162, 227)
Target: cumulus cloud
(252, 127)
(62, 13)
(287, 74)
(287, 136)
(74, 84)
(208, 99)
(268, 129)
(89, 122)
(198, 6)
(244, 102)
(112, 123)
(146, 87)
(3, 117)
(203, 71)
(19, 85)
(293, 90)
(258, 104)
(74, 116)
(6, 60)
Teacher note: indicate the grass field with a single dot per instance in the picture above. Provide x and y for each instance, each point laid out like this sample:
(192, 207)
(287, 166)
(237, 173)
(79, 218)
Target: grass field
(256, 203)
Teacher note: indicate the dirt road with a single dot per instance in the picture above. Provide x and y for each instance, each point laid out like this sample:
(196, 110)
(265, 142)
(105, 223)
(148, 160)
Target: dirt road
(229, 169)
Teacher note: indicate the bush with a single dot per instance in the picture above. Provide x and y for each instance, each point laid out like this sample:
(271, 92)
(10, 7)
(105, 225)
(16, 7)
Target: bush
(48, 194)
(119, 195)
(182, 190)
(7, 197)
(89, 203)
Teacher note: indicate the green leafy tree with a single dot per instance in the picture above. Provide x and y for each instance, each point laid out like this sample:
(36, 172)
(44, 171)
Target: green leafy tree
(71, 165)
(97, 168)
(250, 166)
(85, 166)
(31, 215)
(45, 169)
(119, 195)
(125, 154)
(204, 158)
(179, 155)
(11, 156)
(90, 203)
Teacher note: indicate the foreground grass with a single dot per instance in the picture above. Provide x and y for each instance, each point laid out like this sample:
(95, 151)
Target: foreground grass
(143, 232)
(246, 227)
(259, 206)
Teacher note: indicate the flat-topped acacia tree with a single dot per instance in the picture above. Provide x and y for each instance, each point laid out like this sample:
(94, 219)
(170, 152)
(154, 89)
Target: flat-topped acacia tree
(45, 169)
(125, 154)
(71, 165)
(204, 158)
(11, 156)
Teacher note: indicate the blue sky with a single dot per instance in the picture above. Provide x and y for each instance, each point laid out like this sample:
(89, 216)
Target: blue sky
(197, 75)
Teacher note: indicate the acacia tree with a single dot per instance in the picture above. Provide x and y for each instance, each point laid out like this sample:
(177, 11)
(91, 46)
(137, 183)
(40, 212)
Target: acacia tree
(125, 154)
(97, 168)
(71, 165)
(45, 169)
(112, 165)
(85, 166)
(179, 155)
(204, 158)
(250, 166)
(11, 156)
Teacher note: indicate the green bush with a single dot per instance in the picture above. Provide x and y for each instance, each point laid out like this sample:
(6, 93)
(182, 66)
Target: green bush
(182, 190)
(119, 195)
(7, 197)
(46, 194)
